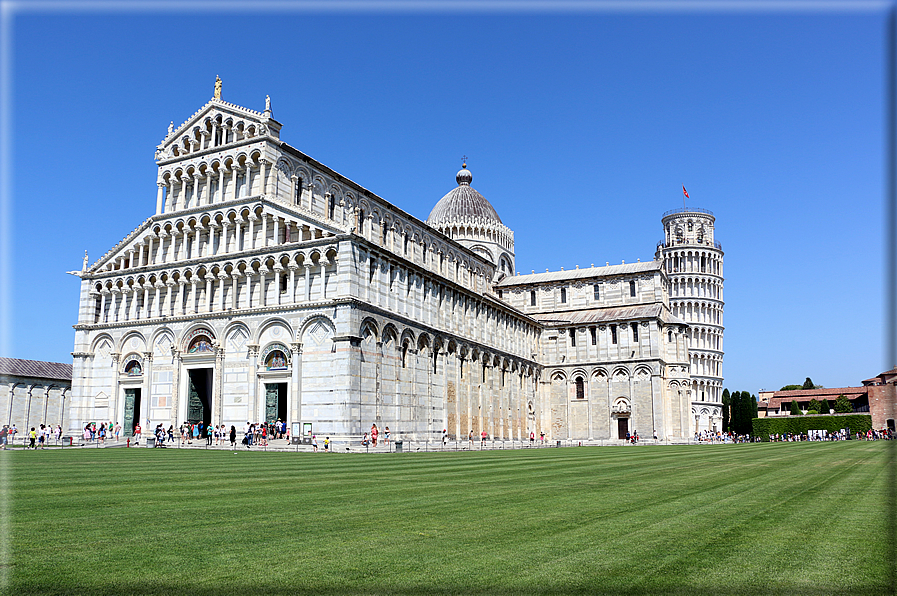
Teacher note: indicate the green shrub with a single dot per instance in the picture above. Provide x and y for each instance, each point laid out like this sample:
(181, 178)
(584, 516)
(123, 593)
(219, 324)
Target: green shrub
(843, 405)
(812, 413)
(763, 427)
(795, 409)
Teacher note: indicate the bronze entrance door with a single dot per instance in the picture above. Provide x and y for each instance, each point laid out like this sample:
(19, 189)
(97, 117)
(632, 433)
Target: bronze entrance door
(194, 405)
(622, 427)
(275, 402)
(199, 396)
(132, 411)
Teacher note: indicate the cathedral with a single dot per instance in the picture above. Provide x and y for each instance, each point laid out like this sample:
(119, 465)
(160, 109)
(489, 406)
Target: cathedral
(268, 286)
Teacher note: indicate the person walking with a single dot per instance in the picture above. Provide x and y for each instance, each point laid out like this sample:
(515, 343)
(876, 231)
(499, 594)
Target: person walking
(32, 435)
(326, 444)
(374, 433)
(314, 443)
(233, 436)
(483, 439)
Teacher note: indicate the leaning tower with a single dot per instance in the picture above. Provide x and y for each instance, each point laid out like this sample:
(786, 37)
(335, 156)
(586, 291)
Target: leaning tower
(693, 260)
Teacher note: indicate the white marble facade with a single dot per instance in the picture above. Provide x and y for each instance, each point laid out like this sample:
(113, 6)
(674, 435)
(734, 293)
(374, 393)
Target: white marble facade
(267, 285)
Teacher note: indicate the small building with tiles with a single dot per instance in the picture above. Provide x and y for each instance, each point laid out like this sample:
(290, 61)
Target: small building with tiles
(34, 392)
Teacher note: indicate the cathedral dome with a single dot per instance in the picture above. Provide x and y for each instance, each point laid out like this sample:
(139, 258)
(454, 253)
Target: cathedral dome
(462, 204)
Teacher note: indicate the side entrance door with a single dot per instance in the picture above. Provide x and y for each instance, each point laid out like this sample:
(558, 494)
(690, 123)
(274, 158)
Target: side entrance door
(622, 427)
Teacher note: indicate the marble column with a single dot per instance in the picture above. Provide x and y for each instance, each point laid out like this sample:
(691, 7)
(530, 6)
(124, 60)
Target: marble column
(253, 350)
(263, 290)
(296, 389)
(292, 293)
(209, 279)
(264, 242)
(168, 305)
(307, 281)
(220, 184)
(104, 315)
(323, 264)
(252, 219)
(278, 271)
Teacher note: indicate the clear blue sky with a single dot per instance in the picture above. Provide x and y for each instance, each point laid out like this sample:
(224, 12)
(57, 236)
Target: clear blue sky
(580, 128)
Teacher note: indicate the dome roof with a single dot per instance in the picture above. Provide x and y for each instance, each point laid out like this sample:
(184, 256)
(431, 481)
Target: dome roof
(462, 204)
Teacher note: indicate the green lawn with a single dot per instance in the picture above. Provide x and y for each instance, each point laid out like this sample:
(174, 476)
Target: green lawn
(784, 518)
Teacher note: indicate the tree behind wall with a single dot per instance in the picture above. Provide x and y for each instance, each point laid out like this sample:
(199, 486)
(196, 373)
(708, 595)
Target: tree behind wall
(825, 407)
(727, 407)
(843, 405)
(743, 412)
(795, 409)
(808, 384)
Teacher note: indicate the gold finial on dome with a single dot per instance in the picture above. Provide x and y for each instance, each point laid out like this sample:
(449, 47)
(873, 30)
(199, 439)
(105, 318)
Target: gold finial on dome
(463, 161)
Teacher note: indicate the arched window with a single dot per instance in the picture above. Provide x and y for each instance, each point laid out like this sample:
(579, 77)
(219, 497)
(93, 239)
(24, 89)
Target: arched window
(632, 289)
(580, 388)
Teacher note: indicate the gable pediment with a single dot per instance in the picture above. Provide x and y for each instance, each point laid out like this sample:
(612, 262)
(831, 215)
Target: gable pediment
(305, 226)
(214, 126)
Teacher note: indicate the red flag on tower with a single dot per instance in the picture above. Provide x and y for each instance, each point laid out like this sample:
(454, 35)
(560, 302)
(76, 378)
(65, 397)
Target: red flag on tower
(685, 192)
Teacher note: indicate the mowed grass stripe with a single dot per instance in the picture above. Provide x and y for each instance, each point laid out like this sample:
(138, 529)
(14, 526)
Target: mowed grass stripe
(739, 519)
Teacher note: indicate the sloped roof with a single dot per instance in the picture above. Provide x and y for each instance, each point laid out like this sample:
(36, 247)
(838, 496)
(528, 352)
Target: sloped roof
(882, 378)
(36, 368)
(609, 314)
(805, 395)
(589, 272)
